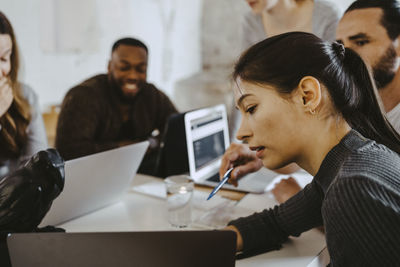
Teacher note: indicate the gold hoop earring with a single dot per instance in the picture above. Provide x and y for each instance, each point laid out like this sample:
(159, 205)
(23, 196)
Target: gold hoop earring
(312, 112)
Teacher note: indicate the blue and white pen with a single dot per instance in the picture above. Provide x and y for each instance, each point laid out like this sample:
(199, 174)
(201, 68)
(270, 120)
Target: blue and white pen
(225, 178)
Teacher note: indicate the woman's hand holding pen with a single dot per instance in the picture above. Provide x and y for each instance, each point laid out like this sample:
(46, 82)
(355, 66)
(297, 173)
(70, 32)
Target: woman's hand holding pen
(242, 159)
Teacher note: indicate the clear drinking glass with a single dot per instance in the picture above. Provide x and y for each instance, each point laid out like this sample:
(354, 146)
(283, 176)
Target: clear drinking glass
(179, 200)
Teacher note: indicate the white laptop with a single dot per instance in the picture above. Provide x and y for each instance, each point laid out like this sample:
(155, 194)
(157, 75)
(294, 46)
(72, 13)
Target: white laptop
(207, 137)
(95, 181)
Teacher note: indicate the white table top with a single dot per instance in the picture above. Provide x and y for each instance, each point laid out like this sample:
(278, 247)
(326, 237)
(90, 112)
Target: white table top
(139, 212)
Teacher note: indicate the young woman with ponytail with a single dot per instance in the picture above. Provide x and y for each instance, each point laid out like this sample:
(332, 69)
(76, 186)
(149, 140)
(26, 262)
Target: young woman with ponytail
(314, 103)
(22, 132)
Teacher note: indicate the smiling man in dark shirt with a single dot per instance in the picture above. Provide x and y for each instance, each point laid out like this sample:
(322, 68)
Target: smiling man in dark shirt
(115, 109)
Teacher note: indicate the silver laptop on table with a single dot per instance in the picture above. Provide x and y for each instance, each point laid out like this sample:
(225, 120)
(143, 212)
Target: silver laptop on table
(145, 249)
(95, 181)
(207, 137)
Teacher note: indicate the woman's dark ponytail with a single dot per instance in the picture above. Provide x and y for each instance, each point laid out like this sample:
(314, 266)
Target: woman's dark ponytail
(360, 103)
(339, 50)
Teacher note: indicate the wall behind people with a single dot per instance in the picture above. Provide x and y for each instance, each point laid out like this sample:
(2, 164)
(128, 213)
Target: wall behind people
(161, 24)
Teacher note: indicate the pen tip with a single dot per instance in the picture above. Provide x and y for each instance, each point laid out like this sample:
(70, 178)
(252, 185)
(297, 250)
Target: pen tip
(209, 197)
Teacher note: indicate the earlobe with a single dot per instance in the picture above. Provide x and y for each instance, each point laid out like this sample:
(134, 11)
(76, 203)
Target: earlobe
(109, 66)
(310, 90)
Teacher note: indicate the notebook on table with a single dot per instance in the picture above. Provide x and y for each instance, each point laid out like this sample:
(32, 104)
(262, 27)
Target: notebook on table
(147, 249)
(207, 138)
(95, 181)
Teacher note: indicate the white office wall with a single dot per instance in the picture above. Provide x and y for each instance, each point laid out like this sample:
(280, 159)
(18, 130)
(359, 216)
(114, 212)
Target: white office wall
(170, 28)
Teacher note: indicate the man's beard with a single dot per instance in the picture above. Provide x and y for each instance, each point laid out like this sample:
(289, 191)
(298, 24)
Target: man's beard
(118, 89)
(383, 70)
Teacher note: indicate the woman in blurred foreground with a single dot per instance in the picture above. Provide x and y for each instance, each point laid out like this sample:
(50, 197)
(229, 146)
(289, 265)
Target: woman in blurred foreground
(22, 131)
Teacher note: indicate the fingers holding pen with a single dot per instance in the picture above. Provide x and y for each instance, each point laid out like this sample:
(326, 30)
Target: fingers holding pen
(242, 158)
(228, 159)
(233, 156)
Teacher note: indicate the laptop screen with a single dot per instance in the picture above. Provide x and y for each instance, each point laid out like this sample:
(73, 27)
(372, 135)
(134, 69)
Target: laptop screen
(208, 146)
(110, 171)
(207, 138)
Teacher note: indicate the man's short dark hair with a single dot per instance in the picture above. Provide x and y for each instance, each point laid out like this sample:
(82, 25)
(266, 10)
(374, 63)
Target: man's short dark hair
(129, 41)
(391, 13)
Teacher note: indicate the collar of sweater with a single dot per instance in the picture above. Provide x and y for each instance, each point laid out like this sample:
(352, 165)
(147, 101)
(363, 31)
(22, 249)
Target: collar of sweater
(336, 156)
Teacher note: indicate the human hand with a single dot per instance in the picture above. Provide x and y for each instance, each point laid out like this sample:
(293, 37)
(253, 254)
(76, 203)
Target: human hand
(239, 239)
(6, 95)
(242, 159)
(285, 189)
